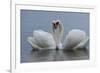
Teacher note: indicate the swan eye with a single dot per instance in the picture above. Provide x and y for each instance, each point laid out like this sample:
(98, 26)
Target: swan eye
(57, 23)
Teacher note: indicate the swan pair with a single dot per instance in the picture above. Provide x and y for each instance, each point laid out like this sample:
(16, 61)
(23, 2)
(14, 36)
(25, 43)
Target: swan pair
(44, 40)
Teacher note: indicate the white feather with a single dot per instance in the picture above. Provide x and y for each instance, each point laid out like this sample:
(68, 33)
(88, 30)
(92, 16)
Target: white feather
(42, 40)
(75, 39)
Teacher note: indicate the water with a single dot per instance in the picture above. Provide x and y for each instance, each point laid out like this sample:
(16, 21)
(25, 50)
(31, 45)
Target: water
(32, 20)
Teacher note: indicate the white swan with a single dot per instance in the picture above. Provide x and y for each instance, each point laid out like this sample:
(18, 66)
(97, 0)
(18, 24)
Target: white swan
(43, 40)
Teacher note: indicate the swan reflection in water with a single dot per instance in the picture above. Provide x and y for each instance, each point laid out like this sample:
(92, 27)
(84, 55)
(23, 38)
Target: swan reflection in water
(60, 55)
(47, 46)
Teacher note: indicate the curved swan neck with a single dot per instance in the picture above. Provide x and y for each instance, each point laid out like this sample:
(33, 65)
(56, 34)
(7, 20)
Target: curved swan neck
(57, 34)
(61, 28)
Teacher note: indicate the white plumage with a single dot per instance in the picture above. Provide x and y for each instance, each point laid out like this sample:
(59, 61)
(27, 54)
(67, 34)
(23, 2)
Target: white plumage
(42, 40)
(75, 39)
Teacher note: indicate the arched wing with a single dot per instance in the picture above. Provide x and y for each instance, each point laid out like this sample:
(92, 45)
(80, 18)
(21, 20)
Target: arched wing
(42, 40)
(82, 44)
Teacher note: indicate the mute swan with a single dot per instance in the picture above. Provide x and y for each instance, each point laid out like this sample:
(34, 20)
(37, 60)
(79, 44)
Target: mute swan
(75, 39)
(43, 40)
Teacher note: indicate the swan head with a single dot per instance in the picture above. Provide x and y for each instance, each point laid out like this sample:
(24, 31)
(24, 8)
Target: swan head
(57, 25)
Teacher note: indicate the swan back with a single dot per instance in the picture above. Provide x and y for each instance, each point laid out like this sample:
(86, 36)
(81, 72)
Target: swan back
(43, 39)
(73, 38)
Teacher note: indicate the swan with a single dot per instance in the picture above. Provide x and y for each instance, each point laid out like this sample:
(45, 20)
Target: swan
(45, 40)
(75, 39)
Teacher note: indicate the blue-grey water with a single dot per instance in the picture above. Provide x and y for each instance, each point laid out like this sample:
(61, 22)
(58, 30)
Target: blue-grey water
(34, 19)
